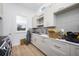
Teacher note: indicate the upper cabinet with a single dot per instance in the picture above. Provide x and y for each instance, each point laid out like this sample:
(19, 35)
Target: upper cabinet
(48, 13)
(44, 18)
(61, 6)
(34, 22)
(38, 20)
(1, 9)
(49, 16)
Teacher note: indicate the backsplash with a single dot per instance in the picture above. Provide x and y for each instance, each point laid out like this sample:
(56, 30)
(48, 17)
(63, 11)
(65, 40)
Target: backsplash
(40, 30)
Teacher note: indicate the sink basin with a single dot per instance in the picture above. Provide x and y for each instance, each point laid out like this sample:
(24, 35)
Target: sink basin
(44, 35)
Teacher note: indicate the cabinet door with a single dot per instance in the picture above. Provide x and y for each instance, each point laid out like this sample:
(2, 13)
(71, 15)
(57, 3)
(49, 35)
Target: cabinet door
(1, 6)
(34, 39)
(77, 51)
(34, 22)
(59, 48)
(51, 47)
(74, 50)
(48, 17)
(40, 43)
(45, 48)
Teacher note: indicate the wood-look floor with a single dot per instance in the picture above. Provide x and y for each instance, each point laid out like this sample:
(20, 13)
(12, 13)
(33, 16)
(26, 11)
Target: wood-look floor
(26, 50)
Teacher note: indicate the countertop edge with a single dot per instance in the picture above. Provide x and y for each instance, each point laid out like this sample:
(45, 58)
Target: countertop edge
(61, 40)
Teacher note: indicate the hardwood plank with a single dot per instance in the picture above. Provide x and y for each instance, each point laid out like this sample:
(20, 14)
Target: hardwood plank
(26, 50)
(35, 51)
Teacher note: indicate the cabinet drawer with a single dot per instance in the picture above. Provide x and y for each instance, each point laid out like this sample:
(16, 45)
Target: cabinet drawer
(51, 47)
(60, 48)
(46, 49)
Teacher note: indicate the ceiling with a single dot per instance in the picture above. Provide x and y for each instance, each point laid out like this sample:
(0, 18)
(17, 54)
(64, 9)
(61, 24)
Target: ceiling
(32, 6)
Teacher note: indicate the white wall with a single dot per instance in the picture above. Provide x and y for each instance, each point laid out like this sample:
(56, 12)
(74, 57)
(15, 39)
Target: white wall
(10, 11)
(69, 21)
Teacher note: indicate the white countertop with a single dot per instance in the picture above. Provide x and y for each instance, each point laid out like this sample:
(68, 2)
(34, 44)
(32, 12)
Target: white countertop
(62, 40)
(77, 44)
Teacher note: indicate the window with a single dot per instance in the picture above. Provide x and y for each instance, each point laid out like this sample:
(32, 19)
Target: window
(21, 23)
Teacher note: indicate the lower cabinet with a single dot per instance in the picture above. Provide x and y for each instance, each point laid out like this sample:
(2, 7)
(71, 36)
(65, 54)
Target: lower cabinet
(54, 47)
(59, 48)
(41, 43)
(74, 50)
(46, 48)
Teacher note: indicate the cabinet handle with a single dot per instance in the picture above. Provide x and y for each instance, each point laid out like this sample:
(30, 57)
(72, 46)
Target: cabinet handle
(57, 46)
